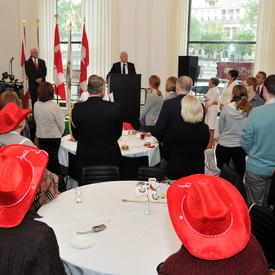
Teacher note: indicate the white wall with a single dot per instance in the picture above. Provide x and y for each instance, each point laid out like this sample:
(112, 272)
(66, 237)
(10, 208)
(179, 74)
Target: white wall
(9, 31)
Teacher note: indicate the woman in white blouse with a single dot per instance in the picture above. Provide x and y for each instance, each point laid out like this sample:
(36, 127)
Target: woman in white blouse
(226, 95)
(211, 106)
(49, 124)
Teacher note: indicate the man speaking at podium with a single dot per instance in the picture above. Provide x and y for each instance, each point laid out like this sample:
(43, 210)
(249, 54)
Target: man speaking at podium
(123, 67)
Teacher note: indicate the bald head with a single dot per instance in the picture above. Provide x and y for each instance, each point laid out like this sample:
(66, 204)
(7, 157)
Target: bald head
(34, 52)
(124, 57)
(184, 85)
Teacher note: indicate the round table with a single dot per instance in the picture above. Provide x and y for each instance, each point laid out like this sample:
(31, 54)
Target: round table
(136, 148)
(133, 243)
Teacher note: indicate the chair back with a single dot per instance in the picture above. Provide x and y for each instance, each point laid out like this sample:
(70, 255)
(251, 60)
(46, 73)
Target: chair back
(233, 177)
(98, 173)
(151, 172)
(263, 227)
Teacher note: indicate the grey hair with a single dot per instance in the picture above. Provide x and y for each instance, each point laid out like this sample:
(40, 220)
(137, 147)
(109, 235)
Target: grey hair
(96, 84)
(185, 84)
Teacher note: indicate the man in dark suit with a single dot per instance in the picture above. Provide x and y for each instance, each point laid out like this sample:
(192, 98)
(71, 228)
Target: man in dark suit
(170, 114)
(97, 125)
(123, 67)
(36, 72)
(260, 77)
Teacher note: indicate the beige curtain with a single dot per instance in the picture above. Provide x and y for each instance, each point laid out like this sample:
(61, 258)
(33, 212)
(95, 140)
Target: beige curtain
(46, 12)
(265, 46)
(153, 32)
(97, 14)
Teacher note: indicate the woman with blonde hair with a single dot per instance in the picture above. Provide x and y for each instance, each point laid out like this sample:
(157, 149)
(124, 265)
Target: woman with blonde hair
(233, 119)
(154, 101)
(184, 146)
(170, 87)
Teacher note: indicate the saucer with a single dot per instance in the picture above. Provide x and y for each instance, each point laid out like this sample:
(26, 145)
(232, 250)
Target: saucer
(82, 242)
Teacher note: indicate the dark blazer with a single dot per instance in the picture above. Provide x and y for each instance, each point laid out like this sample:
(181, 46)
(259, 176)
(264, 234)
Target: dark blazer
(30, 249)
(97, 125)
(183, 148)
(170, 116)
(32, 74)
(116, 68)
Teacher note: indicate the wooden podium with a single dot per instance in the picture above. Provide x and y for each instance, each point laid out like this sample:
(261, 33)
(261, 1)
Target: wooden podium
(126, 92)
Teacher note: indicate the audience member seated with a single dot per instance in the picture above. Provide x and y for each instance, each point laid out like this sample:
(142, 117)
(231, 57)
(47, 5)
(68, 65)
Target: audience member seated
(97, 126)
(10, 96)
(170, 87)
(12, 120)
(150, 111)
(259, 143)
(211, 100)
(50, 124)
(28, 246)
(170, 114)
(250, 84)
(184, 145)
(233, 119)
(212, 221)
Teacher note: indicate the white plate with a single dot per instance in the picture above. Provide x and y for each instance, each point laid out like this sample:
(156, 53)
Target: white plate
(82, 242)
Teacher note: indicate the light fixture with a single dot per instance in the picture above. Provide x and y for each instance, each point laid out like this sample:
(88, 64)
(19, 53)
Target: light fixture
(211, 2)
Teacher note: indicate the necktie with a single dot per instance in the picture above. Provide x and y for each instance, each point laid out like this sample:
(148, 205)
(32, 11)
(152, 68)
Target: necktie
(124, 69)
(258, 90)
(36, 64)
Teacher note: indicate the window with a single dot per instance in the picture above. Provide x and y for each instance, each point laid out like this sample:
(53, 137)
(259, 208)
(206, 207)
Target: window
(70, 9)
(226, 43)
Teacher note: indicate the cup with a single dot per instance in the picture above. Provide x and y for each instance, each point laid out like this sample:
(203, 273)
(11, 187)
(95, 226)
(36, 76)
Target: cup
(142, 135)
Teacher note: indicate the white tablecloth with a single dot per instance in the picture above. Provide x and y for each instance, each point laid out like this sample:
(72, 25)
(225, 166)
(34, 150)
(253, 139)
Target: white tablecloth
(136, 148)
(132, 244)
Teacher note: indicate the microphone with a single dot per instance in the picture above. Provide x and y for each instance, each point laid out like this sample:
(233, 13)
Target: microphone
(11, 59)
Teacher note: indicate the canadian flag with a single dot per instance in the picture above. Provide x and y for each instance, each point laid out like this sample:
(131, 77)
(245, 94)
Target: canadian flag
(58, 76)
(26, 94)
(84, 62)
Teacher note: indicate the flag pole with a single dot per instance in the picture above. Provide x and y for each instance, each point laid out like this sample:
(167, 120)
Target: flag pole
(57, 100)
(69, 68)
(37, 32)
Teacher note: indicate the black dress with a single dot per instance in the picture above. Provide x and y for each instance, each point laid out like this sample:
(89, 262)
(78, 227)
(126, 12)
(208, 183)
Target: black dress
(183, 148)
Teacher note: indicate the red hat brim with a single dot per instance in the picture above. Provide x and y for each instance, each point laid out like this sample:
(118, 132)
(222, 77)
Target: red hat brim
(12, 215)
(216, 247)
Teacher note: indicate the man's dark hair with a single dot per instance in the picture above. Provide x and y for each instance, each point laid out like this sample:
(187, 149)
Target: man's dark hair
(269, 83)
(234, 74)
(45, 91)
(95, 84)
(262, 73)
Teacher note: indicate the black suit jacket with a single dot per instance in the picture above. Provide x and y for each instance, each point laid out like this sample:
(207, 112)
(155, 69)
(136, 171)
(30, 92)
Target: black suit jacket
(32, 74)
(116, 68)
(97, 125)
(169, 117)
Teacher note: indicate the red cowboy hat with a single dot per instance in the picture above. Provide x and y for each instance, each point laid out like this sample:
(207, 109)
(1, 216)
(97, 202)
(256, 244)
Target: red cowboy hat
(209, 216)
(10, 116)
(22, 169)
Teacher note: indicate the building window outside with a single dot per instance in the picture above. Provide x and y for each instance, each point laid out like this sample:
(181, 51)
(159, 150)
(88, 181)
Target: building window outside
(226, 43)
(70, 10)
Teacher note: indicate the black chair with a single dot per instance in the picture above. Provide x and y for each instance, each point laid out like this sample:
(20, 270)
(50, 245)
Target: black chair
(145, 172)
(263, 227)
(271, 195)
(228, 174)
(129, 167)
(98, 173)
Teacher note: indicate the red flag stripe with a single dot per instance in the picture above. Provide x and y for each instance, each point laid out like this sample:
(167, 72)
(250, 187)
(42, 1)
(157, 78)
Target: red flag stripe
(84, 61)
(58, 67)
